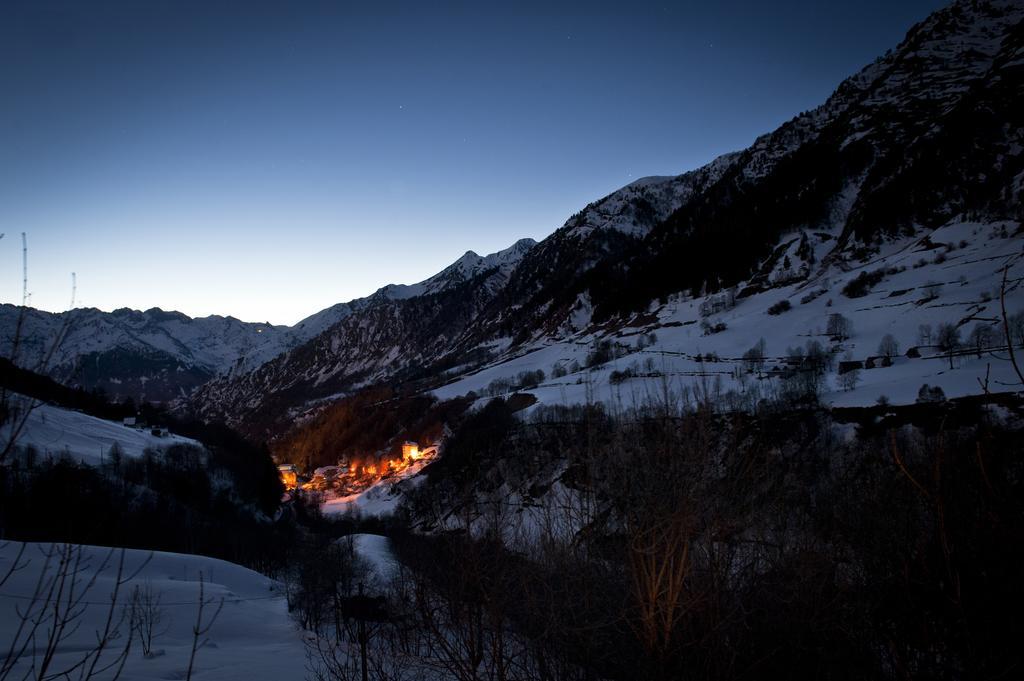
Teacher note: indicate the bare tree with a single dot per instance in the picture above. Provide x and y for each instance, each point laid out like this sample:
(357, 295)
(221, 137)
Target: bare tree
(924, 334)
(848, 379)
(948, 340)
(839, 327)
(56, 610)
(146, 616)
(888, 347)
(753, 359)
(982, 337)
(202, 626)
(931, 291)
(1015, 329)
(1011, 325)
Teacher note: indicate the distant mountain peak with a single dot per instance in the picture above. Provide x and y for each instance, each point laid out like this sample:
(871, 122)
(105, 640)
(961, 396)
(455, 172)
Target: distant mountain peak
(469, 265)
(464, 268)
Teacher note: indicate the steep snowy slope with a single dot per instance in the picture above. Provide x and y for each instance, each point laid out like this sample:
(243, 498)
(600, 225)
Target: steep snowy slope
(639, 206)
(951, 275)
(928, 133)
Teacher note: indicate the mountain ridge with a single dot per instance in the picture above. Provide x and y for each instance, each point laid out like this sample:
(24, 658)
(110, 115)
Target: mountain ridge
(925, 135)
(864, 168)
(160, 355)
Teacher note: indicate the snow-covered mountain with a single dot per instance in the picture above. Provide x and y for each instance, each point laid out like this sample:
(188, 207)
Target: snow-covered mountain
(461, 271)
(154, 355)
(927, 133)
(466, 267)
(396, 334)
(158, 355)
(639, 206)
(918, 144)
(923, 141)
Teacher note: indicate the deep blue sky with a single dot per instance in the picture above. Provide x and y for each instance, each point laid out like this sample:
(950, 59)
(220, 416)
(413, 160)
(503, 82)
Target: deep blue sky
(268, 159)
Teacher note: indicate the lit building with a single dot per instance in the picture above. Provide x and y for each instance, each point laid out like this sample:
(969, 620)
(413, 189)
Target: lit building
(410, 451)
(289, 475)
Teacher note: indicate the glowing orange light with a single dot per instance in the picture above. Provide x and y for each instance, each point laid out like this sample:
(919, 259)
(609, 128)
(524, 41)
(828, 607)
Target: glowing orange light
(289, 475)
(411, 451)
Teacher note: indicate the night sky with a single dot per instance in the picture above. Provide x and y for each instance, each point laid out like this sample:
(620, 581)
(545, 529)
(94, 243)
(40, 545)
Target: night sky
(269, 159)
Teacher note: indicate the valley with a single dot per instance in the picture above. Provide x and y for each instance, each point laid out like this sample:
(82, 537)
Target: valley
(760, 419)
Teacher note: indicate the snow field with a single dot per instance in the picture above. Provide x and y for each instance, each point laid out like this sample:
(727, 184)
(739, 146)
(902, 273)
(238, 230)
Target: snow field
(252, 637)
(54, 431)
(969, 275)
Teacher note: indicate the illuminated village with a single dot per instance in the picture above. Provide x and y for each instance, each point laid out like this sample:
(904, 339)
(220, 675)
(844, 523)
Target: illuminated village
(355, 475)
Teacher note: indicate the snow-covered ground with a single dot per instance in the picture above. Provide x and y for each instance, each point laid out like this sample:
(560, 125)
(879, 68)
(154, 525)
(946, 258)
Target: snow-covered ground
(966, 259)
(55, 431)
(969, 274)
(252, 638)
(381, 498)
(375, 549)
